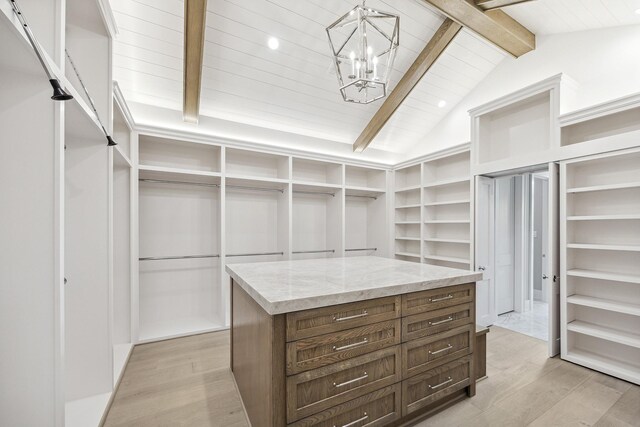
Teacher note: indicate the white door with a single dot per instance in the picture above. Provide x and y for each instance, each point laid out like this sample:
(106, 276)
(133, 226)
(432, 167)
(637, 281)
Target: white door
(552, 277)
(504, 232)
(484, 242)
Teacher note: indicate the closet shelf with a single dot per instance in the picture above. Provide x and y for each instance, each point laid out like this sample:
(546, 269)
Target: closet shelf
(602, 217)
(447, 259)
(87, 411)
(326, 189)
(317, 185)
(450, 202)
(408, 206)
(163, 170)
(607, 365)
(447, 221)
(624, 248)
(407, 222)
(258, 182)
(621, 186)
(408, 254)
(603, 275)
(439, 240)
(602, 332)
(410, 239)
(604, 304)
(445, 182)
(363, 191)
(409, 188)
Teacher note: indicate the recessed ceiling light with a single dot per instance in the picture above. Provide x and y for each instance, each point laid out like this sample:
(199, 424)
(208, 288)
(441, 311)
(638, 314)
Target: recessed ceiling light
(273, 43)
(637, 11)
(442, 104)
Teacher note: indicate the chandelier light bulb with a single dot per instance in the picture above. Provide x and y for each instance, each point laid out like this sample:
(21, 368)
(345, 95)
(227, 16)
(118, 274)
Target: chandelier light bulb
(375, 68)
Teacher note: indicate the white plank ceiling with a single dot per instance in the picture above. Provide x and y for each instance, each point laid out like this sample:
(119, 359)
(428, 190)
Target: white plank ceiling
(294, 88)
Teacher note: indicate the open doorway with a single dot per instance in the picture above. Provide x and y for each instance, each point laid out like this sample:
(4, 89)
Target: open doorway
(521, 229)
(516, 248)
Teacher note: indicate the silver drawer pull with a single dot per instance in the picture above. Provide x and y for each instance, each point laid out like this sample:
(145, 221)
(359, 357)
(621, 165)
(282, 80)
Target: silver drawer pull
(448, 347)
(441, 384)
(352, 423)
(440, 322)
(441, 299)
(355, 316)
(364, 376)
(355, 344)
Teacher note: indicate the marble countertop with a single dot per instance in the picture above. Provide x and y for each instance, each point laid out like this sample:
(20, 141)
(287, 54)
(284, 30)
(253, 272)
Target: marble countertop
(287, 286)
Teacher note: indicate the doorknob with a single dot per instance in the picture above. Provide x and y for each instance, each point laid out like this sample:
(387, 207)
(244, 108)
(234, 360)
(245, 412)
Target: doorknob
(545, 277)
(481, 268)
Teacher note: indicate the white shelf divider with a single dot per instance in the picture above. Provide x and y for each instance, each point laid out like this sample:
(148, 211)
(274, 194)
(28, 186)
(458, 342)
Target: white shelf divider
(624, 248)
(604, 275)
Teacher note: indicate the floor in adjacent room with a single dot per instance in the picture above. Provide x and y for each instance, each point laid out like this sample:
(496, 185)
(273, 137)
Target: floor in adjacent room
(534, 323)
(187, 382)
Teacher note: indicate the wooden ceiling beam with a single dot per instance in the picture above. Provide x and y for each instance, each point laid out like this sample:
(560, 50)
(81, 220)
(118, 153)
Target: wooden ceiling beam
(494, 25)
(497, 4)
(195, 15)
(420, 66)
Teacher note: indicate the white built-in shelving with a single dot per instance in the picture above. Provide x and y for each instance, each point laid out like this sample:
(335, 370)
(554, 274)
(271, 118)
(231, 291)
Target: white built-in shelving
(408, 213)
(447, 210)
(236, 205)
(433, 210)
(600, 283)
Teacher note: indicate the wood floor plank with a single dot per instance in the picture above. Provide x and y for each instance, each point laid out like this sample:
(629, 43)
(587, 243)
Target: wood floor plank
(625, 412)
(586, 404)
(186, 382)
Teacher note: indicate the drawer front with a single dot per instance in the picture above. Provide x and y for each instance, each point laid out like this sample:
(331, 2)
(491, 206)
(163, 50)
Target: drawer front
(426, 353)
(319, 321)
(371, 410)
(312, 353)
(434, 322)
(435, 384)
(436, 299)
(314, 391)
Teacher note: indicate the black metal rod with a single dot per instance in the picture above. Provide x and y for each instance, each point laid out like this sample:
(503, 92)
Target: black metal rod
(361, 249)
(58, 93)
(161, 258)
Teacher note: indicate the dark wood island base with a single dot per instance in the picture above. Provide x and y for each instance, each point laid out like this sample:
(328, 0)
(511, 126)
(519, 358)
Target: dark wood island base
(390, 361)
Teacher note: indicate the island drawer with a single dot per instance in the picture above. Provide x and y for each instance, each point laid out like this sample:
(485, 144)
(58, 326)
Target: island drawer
(372, 410)
(314, 391)
(426, 353)
(434, 322)
(319, 321)
(435, 299)
(423, 389)
(311, 353)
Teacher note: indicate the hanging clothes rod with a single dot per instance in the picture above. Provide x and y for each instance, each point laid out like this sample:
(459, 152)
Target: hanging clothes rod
(364, 197)
(159, 258)
(204, 184)
(257, 254)
(361, 249)
(315, 192)
(315, 252)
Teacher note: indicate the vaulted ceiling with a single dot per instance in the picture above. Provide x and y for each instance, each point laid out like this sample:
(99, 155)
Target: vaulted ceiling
(294, 88)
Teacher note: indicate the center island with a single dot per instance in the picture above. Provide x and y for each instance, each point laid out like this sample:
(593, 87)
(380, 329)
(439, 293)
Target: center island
(350, 342)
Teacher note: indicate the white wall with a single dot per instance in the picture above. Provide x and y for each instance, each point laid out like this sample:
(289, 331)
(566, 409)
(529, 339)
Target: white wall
(605, 63)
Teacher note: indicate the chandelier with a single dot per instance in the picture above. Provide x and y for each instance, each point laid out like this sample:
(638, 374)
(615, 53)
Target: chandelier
(364, 43)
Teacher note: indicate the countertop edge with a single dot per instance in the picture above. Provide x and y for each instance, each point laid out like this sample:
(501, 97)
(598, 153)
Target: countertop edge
(282, 307)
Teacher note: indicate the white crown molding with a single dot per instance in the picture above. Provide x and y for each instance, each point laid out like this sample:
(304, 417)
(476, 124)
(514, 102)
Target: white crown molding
(599, 110)
(122, 105)
(449, 151)
(253, 146)
(108, 17)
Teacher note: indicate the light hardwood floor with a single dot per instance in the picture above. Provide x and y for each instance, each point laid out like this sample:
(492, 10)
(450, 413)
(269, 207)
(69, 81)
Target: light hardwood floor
(187, 382)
